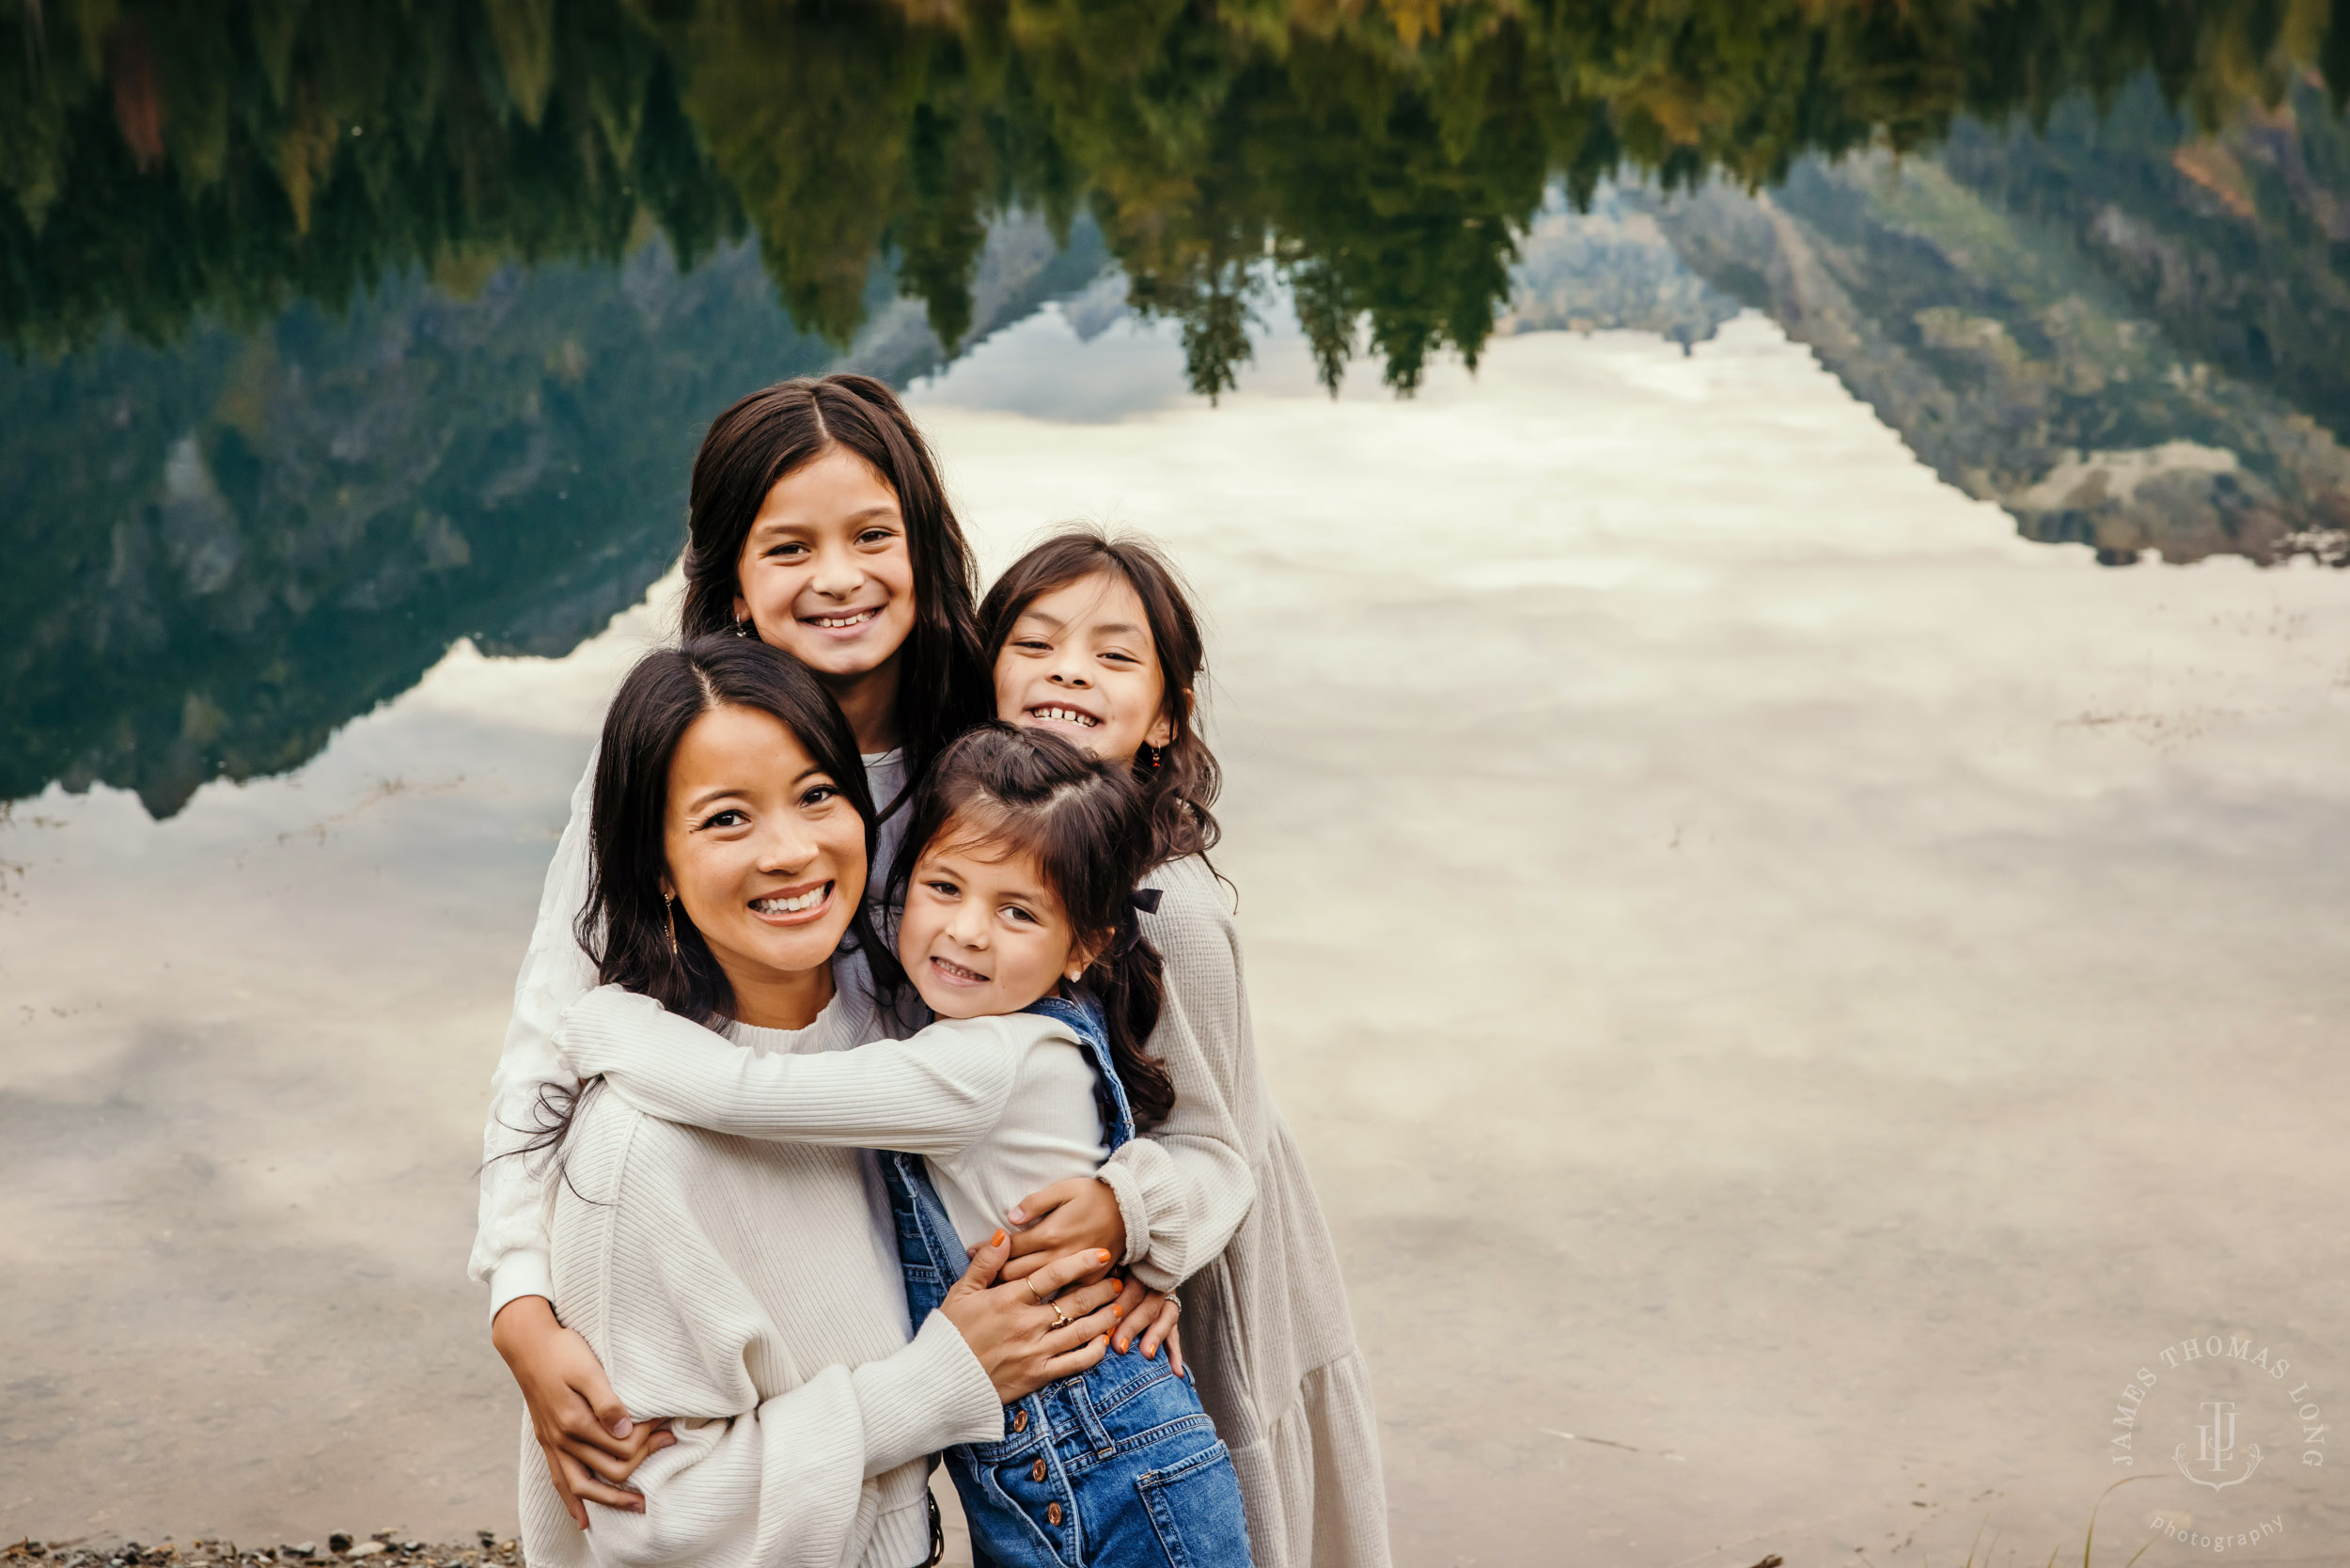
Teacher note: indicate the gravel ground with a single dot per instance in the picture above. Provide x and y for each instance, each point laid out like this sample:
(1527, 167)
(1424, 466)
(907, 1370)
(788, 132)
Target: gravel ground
(386, 1545)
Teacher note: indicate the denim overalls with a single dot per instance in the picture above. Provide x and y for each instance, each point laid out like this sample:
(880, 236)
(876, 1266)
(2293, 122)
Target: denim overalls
(1115, 1468)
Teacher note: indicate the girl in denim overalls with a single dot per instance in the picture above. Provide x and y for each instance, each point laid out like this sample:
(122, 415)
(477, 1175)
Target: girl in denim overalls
(1018, 933)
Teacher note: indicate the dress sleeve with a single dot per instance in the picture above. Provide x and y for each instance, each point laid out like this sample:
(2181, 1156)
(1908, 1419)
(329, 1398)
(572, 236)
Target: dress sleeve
(1183, 1189)
(509, 1250)
(934, 1094)
(785, 1483)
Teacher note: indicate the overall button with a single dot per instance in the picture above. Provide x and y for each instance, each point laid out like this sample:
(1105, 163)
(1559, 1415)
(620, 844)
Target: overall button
(1052, 1514)
(1020, 1420)
(1036, 1472)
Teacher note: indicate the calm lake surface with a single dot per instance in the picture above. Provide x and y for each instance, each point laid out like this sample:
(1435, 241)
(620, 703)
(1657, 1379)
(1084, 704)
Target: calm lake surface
(1775, 641)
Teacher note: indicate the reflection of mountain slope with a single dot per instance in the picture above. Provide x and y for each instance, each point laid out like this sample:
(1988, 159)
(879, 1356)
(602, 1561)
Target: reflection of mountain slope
(221, 551)
(2014, 364)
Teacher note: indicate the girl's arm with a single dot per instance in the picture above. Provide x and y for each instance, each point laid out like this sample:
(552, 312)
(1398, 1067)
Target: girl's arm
(934, 1094)
(509, 1250)
(591, 1444)
(1182, 1189)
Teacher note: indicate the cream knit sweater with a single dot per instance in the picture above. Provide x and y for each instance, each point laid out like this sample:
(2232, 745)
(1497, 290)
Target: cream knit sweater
(747, 1288)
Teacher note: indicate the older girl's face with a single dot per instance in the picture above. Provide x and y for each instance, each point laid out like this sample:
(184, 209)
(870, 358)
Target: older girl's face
(825, 572)
(1080, 663)
(764, 852)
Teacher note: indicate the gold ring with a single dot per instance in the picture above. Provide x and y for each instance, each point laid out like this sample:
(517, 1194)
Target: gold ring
(1061, 1319)
(1030, 1282)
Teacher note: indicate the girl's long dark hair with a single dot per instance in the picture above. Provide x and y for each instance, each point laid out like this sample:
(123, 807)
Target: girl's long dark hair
(625, 924)
(1084, 822)
(942, 683)
(1180, 782)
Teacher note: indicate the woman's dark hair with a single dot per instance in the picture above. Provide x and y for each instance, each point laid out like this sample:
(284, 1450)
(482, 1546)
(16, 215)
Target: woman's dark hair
(1084, 824)
(625, 925)
(1181, 780)
(942, 683)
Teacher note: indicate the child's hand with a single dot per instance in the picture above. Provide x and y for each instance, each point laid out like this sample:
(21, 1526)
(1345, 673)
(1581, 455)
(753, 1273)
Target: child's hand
(591, 1445)
(1150, 1316)
(1079, 1215)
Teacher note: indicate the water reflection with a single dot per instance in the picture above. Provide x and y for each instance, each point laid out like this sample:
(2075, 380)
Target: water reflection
(342, 332)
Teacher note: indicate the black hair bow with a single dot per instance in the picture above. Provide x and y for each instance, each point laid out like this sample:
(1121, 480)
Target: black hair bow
(1130, 929)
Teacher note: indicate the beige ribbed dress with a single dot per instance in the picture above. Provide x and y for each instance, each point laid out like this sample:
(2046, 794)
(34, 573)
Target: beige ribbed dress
(1265, 1326)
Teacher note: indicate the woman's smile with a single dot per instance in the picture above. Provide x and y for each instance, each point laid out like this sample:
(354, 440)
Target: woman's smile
(793, 907)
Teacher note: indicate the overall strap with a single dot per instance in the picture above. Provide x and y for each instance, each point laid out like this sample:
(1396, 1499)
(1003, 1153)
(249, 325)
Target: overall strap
(1084, 1020)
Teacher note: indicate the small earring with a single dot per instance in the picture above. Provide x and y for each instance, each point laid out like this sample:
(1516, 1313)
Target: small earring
(1158, 754)
(741, 630)
(669, 902)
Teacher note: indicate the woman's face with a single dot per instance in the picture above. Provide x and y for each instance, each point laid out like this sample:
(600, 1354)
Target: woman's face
(982, 934)
(765, 853)
(1080, 663)
(825, 572)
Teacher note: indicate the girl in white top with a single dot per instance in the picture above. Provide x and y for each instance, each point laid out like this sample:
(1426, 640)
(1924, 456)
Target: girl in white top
(745, 1291)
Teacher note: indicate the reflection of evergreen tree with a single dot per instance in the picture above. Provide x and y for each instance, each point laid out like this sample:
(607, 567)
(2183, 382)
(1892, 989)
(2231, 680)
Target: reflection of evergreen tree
(229, 155)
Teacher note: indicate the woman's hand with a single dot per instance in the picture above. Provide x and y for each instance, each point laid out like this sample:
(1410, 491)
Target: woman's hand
(1079, 1215)
(591, 1446)
(1151, 1316)
(1013, 1333)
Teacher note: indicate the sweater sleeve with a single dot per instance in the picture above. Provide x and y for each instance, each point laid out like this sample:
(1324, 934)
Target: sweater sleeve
(934, 1094)
(1183, 1189)
(783, 1484)
(509, 1250)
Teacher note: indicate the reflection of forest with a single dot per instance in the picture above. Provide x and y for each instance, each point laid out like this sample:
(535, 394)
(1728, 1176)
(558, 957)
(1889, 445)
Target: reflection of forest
(170, 156)
(332, 321)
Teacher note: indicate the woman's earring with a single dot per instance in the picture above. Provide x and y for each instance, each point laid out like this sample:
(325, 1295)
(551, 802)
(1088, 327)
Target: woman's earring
(741, 629)
(669, 902)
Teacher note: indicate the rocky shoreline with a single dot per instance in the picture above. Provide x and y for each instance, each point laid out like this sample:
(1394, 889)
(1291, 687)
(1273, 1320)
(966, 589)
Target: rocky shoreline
(487, 1550)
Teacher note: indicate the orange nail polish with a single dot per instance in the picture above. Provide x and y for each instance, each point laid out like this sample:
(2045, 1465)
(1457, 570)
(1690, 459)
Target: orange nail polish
(997, 1241)
(1115, 1310)
(1104, 1256)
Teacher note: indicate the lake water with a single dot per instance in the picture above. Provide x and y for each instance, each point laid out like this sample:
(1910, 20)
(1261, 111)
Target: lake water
(1786, 824)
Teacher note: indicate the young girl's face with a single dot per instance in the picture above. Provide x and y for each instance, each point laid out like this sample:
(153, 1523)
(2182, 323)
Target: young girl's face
(825, 572)
(982, 934)
(1080, 663)
(764, 852)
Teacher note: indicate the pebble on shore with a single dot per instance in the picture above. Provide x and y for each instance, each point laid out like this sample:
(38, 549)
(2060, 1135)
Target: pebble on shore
(485, 1551)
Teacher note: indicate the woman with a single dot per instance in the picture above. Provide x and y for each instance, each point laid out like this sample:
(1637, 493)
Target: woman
(740, 1288)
